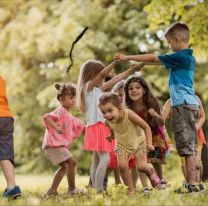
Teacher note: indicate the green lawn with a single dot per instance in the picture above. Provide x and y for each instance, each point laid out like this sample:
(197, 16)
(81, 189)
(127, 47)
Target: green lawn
(34, 186)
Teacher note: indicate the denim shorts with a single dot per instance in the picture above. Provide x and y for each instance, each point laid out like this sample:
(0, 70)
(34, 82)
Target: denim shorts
(6, 138)
(183, 125)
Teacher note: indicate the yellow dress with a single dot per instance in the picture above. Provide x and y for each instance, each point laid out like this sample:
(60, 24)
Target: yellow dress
(130, 138)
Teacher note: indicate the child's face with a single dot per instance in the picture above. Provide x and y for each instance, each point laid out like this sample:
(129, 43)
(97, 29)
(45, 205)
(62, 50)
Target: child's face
(68, 101)
(110, 112)
(135, 91)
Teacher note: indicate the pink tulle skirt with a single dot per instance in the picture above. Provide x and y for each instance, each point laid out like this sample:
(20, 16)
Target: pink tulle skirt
(95, 138)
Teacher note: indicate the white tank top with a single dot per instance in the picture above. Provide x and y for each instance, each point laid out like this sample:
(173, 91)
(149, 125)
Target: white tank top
(93, 114)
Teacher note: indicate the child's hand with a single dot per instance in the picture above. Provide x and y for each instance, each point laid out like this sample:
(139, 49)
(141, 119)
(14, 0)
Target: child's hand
(197, 127)
(150, 148)
(120, 57)
(152, 112)
(59, 129)
(109, 138)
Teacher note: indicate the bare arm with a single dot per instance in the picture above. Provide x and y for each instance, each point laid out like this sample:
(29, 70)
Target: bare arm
(109, 84)
(159, 118)
(152, 58)
(101, 76)
(53, 124)
(201, 119)
(136, 120)
(109, 138)
(166, 109)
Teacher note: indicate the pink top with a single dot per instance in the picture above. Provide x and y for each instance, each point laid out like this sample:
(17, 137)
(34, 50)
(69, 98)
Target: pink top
(72, 128)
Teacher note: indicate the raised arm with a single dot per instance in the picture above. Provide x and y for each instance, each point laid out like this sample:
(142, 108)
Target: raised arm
(136, 120)
(101, 76)
(109, 84)
(140, 58)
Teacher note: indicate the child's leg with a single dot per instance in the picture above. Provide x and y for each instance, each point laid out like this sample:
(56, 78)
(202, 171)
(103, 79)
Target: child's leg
(8, 170)
(7, 150)
(95, 162)
(143, 179)
(199, 166)
(125, 173)
(158, 169)
(143, 166)
(117, 176)
(134, 175)
(183, 166)
(101, 170)
(71, 171)
(105, 181)
(58, 176)
(190, 168)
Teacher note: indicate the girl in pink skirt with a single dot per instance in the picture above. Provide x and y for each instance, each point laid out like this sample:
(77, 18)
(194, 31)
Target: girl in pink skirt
(61, 129)
(90, 87)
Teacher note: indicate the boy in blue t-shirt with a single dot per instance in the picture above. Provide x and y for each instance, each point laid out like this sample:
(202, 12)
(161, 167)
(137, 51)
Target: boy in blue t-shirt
(185, 107)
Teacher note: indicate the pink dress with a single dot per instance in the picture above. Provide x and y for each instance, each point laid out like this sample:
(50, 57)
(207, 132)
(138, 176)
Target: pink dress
(72, 127)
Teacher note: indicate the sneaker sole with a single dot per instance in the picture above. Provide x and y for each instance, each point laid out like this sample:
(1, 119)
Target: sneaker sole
(15, 196)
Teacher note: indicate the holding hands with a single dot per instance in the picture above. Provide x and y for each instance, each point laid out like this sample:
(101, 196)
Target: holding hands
(120, 57)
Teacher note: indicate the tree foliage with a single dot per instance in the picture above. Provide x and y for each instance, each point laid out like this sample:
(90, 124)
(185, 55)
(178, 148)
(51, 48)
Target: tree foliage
(35, 39)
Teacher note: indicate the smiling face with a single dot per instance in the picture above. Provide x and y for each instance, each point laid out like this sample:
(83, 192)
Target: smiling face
(135, 91)
(110, 112)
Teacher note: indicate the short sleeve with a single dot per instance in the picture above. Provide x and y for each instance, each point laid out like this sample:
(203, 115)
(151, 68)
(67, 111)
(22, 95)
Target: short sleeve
(171, 61)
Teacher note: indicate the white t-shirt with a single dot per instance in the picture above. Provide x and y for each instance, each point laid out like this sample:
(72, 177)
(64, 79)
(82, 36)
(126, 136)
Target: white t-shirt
(93, 114)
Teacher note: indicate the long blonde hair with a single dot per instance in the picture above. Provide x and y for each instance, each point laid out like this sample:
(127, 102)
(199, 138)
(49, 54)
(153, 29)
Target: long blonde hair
(89, 70)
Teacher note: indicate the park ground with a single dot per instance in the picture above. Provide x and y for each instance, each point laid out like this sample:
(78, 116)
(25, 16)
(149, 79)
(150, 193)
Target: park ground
(35, 185)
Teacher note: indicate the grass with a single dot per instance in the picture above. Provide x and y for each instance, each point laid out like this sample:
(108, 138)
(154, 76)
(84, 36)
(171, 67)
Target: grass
(34, 186)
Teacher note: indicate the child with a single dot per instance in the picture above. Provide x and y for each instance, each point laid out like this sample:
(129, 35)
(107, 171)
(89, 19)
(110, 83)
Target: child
(119, 90)
(113, 165)
(61, 129)
(141, 100)
(201, 141)
(6, 144)
(127, 127)
(90, 88)
(181, 65)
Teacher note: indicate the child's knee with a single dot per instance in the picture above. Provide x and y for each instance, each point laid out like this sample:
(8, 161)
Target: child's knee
(64, 166)
(141, 168)
(123, 168)
(72, 162)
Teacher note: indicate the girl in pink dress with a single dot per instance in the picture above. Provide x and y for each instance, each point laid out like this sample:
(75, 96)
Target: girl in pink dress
(90, 87)
(61, 129)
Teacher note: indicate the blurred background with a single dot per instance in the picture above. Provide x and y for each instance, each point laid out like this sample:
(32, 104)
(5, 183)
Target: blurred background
(35, 40)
